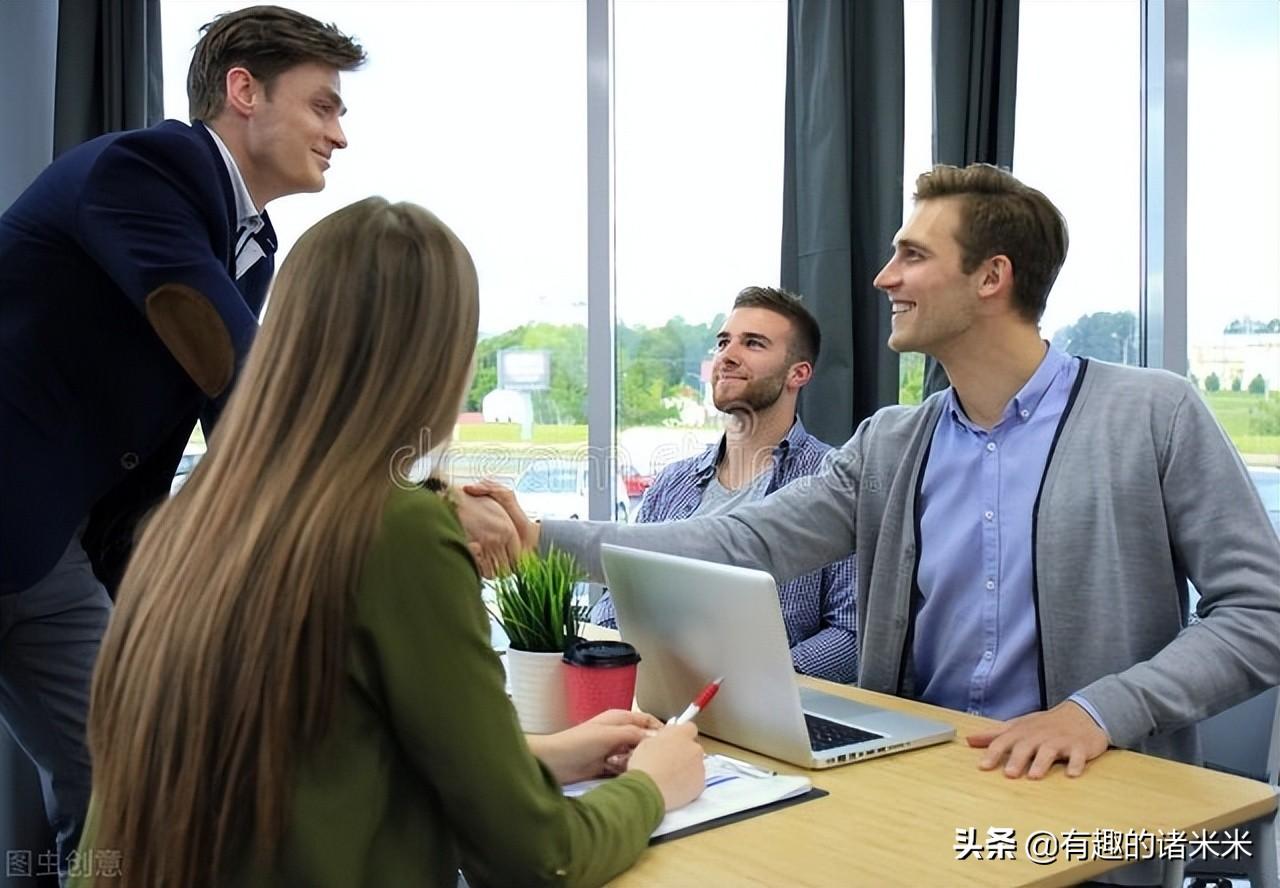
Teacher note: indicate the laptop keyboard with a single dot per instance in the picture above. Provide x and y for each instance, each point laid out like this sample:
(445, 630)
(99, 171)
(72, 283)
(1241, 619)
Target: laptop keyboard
(825, 734)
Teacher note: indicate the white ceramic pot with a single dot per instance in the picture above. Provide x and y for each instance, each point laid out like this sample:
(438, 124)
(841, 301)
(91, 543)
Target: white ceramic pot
(538, 690)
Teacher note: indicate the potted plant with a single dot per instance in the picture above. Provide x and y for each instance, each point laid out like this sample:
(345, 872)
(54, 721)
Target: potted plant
(535, 606)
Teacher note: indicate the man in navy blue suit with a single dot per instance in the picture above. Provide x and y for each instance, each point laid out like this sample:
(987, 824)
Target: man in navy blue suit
(132, 273)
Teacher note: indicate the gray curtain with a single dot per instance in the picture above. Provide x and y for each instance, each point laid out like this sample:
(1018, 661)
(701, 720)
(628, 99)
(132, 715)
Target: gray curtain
(28, 44)
(975, 71)
(28, 41)
(842, 199)
(108, 69)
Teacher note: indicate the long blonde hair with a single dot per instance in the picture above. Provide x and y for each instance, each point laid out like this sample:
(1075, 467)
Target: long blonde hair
(225, 655)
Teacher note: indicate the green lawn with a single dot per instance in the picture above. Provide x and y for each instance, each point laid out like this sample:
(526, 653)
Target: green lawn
(1239, 414)
(1258, 445)
(1233, 409)
(509, 433)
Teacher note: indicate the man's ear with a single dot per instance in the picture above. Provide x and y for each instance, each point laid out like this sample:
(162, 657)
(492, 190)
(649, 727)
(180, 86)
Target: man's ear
(244, 91)
(997, 278)
(800, 374)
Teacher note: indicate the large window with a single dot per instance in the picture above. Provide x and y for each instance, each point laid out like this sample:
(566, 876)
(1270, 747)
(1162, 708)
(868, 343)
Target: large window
(478, 112)
(917, 149)
(1078, 139)
(1233, 226)
(699, 145)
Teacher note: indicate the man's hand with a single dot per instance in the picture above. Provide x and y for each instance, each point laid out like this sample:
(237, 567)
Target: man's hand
(599, 747)
(504, 497)
(491, 536)
(1064, 733)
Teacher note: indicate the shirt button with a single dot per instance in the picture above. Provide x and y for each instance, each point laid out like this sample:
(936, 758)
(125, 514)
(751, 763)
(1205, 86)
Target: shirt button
(991, 584)
(986, 655)
(1025, 413)
(129, 460)
(989, 514)
(991, 445)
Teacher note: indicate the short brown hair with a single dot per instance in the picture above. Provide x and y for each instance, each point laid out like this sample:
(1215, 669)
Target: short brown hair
(267, 40)
(1000, 215)
(806, 339)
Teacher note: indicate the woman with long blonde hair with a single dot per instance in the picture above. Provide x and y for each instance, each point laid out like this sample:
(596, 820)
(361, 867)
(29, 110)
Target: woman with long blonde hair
(296, 687)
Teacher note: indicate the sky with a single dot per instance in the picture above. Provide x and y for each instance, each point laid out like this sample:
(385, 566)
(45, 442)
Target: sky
(477, 110)
(1233, 200)
(1078, 140)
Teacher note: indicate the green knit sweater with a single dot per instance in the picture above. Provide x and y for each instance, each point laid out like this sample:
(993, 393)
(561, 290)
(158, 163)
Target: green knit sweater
(425, 769)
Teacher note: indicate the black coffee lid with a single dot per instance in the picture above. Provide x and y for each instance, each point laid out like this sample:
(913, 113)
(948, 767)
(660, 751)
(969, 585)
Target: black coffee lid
(601, 653)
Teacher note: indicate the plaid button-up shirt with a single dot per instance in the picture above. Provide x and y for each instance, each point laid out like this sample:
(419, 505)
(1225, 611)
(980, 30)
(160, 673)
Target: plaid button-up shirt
(817, 608)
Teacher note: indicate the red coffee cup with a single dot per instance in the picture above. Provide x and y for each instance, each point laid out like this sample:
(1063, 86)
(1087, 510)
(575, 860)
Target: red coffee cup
(599, 675)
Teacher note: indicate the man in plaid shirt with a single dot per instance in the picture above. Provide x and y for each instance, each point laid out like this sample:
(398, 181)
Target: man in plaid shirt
(764, 355)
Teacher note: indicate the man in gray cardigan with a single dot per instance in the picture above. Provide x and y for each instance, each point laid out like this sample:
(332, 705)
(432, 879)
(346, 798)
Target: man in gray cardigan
(1025, 537)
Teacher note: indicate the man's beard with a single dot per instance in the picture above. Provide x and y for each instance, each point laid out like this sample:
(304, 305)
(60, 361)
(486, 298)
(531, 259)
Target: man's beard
(759, 394)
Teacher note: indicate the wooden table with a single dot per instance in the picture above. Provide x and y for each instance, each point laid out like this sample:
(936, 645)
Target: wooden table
(894, 820)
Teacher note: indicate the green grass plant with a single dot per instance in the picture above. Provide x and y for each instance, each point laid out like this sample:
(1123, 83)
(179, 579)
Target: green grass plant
(535, 602)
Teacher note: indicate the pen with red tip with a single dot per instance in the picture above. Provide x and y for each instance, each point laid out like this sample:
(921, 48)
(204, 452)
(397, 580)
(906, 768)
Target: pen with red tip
(699, 703)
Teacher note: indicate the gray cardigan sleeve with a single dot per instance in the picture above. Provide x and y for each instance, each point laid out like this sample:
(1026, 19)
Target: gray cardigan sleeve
(1222, 540)
(804, 526)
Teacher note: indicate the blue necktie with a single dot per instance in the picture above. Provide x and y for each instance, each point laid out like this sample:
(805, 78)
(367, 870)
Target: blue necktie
(254, 282)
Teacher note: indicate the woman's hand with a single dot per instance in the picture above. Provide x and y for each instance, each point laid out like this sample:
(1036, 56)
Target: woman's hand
(497, 545)
(599, 747)
(491, 536)
(673, 758)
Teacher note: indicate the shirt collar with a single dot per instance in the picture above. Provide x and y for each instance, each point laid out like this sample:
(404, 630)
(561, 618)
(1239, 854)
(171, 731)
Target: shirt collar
(705, 467)
(247, 215)
(1023, 404)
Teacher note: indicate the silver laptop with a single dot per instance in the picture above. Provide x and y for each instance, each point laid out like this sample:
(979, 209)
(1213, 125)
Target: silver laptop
(695, 620)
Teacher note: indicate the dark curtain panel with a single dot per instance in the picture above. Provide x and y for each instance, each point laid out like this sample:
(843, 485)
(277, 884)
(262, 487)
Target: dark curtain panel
(975, 70)
(842, 199)
(108, 69)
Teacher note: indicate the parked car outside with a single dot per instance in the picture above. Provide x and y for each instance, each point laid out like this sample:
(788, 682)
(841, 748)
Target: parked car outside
(1267, 480)
(636, 483)
(190, 456)
(558, 489)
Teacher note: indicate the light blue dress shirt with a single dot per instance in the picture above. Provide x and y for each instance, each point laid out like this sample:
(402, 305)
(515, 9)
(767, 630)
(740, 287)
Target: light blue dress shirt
(976, 644)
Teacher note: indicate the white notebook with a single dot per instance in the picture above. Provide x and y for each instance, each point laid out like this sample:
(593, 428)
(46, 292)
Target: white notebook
(732, 786)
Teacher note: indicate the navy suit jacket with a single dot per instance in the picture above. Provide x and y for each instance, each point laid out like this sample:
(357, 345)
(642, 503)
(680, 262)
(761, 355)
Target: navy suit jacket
(94, 410)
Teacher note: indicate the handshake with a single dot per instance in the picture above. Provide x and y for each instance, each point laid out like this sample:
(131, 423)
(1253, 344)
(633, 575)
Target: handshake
(497, 528)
